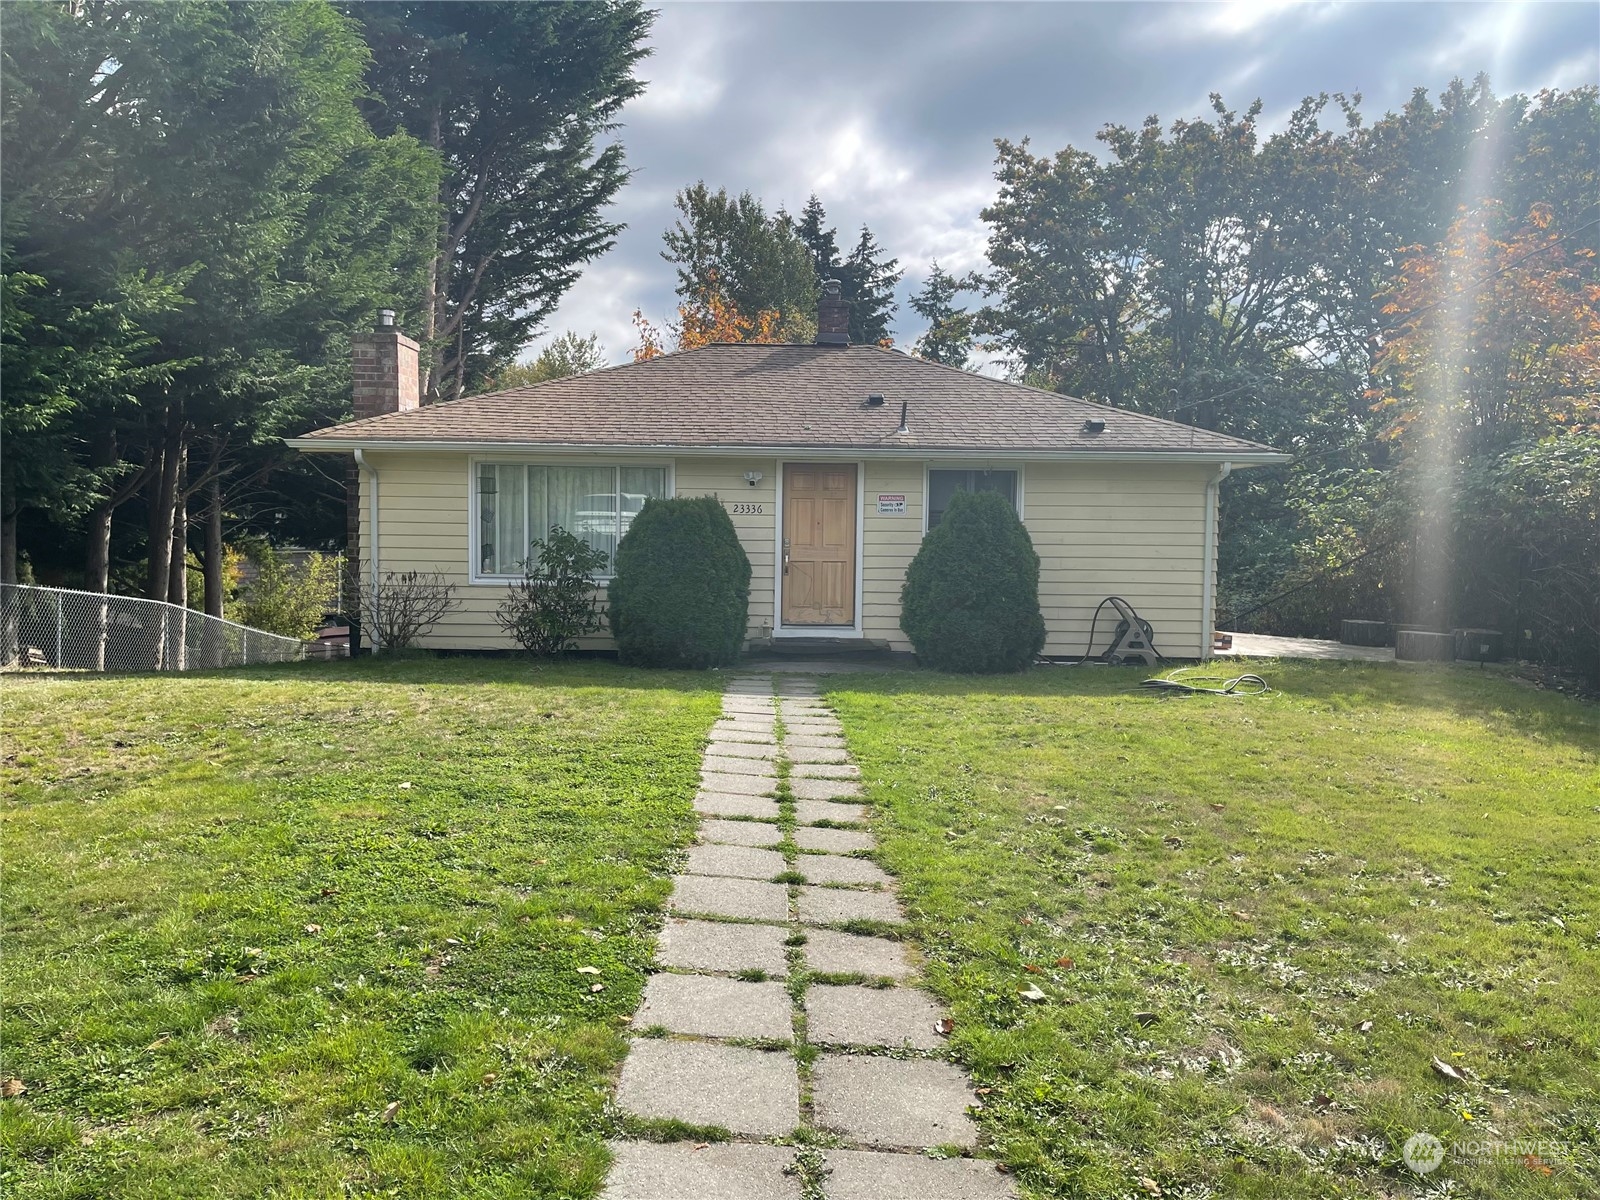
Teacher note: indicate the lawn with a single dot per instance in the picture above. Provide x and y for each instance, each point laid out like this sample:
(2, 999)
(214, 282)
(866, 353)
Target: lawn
(1212, 947)
(365, 929)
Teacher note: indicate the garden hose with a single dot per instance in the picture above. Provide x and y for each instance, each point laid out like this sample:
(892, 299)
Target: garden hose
(1207, 685)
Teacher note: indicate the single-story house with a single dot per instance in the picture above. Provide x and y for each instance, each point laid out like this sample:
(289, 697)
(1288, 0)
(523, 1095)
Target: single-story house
(832, 460)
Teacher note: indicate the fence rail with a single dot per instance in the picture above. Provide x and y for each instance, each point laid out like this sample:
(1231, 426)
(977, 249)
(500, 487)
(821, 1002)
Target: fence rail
(92, 631)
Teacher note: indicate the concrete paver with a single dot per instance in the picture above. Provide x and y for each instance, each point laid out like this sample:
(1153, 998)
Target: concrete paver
(816, 754)
(831, 952)
(835, 841)
(823, 789)
(809, 812)
(738, 785)
(762, 750)
(864, 1175)
(835, 868)
(826, 771)
(711, 1006)
(864, 1016)
(830, 906)
(724, 804)
(744, 862)
(703, 1171)
(742, 1090)
(723, 946)
(822, 741)
(711, 896)
(745, 833)
(912, 1103)
(757, 768)
(754, 737)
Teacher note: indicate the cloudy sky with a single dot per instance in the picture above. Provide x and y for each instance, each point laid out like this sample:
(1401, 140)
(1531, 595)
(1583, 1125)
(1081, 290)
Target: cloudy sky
(889, 111)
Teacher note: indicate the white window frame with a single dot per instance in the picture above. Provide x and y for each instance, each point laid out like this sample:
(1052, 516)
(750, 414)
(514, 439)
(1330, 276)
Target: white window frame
(928, 468)
(475, 526)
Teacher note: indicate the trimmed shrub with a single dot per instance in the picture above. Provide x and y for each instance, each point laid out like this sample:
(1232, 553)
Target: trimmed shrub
(971, 597)
(554, 603)
(681, 595)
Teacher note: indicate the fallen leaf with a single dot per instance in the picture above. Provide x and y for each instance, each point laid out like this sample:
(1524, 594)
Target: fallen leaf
(599, 987)
(159, 1042)
(1322, 1099)
(452, 941)
(1218, 807)
(983, 1091)
(1002, 1168)
(1146, 1018)
(1364, 1027)
(945, 1026)
(1027, 920)
(1151, 1186)
(489, 1079)
(387, 1115)
(1032, 993)
(328, 891)
(1449, 1072)
(12, 1087)
(1172, 843)
(588, 970)
(1065, 962)
(406, 786)
(1032, 970)
(701, 1145)
(313, 929)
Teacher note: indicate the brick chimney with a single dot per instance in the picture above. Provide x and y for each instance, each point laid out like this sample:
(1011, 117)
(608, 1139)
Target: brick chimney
(384, 370)
(833, 315)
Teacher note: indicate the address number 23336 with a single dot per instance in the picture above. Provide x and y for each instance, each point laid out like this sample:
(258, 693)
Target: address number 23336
(746, 509)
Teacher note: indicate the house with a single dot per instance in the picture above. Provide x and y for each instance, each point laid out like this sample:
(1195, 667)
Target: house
(832, 460)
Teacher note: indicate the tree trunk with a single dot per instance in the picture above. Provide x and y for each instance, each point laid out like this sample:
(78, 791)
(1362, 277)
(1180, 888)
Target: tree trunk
(178, 563)
(8, 545)
(163, 488)
(214, 552)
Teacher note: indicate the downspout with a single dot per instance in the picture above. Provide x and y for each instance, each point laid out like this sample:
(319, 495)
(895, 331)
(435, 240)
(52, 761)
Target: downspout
(1208, 618)
(364, 465)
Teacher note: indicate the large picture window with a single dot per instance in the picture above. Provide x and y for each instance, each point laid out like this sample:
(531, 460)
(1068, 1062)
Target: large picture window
(518, 503)
(944, 484)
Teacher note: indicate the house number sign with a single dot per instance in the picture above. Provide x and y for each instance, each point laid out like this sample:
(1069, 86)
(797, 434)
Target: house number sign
(746, 509)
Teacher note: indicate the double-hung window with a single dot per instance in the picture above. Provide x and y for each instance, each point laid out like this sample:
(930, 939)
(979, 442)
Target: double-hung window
(519, 503)
(942, 485)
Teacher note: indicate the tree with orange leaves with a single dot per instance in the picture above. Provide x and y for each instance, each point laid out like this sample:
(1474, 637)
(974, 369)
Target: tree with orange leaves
(708, 317)
(1496, 338)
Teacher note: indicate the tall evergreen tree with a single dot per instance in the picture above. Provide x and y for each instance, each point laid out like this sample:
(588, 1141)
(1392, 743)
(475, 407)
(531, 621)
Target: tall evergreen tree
(730, 253)
(949, 337)
(514, 98)
(866, 277)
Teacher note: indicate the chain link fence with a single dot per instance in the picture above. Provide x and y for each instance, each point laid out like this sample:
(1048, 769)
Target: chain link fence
(92, 631)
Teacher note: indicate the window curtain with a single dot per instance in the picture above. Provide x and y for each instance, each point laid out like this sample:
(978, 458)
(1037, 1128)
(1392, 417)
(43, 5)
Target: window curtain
(582, 500)
(519, 504)
(502, 519)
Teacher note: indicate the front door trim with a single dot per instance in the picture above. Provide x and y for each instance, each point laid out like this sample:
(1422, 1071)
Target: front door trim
(779, 629)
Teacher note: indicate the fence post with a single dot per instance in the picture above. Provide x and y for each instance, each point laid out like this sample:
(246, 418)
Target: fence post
(59, 600)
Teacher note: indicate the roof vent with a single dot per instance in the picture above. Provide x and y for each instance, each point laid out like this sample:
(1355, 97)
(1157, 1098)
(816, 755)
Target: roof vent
(875, 400)
(1094, 425)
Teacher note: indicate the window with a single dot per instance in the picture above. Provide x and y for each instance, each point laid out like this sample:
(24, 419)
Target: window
(518, 504)
(944, 484)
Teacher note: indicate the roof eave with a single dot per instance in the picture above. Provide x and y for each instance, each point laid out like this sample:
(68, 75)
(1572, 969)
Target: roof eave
(1242, 457)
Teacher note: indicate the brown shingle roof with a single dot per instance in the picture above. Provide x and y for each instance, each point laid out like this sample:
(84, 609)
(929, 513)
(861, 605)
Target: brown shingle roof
(784, 397)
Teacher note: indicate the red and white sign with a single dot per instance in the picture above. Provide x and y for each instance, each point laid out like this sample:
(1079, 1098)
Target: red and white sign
(891, 506)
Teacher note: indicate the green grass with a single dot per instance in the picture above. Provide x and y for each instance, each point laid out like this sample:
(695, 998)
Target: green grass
(1215, 895)
(317, 930)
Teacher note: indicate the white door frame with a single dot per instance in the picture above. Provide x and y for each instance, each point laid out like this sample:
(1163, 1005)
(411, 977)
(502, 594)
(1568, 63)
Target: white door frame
(779, 629)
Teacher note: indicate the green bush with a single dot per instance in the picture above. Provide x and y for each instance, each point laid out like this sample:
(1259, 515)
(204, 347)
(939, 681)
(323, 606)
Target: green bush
(553, 604)
(289, 600)
(971, 596)
(681, 595)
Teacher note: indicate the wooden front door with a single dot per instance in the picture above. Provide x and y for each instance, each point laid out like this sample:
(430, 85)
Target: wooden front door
(819, 544)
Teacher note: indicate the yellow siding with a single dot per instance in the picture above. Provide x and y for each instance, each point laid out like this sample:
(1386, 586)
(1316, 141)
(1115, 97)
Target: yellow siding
(1124, 529)
(889, 543)
(1116, 528)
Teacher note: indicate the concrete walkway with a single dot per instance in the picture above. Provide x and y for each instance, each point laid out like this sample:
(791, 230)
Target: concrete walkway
(784, 1009)
(1262, 645)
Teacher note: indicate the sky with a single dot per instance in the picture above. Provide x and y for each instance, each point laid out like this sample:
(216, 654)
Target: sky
(889, 111)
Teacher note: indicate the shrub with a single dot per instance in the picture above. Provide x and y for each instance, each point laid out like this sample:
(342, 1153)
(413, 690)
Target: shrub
(553, 604)
(681, 595)
(405, 606)
(289, 600)
(971, 597)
